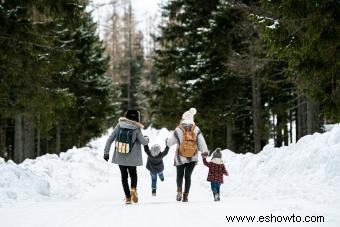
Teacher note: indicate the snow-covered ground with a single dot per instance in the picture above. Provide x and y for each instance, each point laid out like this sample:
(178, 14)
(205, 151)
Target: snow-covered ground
(78, 188)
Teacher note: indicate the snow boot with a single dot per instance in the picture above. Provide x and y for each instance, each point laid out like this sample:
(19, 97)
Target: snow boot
(134, 195)
(179, 194)
(162, 178)
(128, 200)
(153, 192)
(185, 197)
(216, 197)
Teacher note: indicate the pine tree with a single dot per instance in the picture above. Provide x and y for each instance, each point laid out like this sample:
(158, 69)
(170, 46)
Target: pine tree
(306, 35)
(49, 48)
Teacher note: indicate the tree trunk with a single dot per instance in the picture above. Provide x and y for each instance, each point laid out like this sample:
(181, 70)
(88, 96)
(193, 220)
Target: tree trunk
(278, 129)
(313, 121)
(285, 130)
(3, 134)
(38, 138)
(290, 126)
(18, 155)
(230, 144)
(301, 118)
(57, 143)
(28, 137)
(47, 146)
(256, 102)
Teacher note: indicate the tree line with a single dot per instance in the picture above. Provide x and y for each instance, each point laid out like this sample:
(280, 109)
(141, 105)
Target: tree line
(54, 92)
(254, 69)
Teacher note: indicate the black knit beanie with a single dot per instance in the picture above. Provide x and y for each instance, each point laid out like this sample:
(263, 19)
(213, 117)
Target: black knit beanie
(133, 115)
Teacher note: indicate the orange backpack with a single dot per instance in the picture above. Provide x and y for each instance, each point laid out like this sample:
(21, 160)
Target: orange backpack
(188, 147)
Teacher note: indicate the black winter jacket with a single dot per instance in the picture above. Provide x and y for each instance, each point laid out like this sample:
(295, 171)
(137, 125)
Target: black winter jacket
(155, 164)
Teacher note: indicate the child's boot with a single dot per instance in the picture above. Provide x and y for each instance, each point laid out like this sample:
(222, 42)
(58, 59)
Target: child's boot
(179, 194)
(216, 197)
(134, 195)
(185, 197)
(154, 192)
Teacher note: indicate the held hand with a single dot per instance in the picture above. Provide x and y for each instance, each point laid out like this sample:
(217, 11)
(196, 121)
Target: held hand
(204, 154)
(147, 138)
(167, 142)
(106, 157)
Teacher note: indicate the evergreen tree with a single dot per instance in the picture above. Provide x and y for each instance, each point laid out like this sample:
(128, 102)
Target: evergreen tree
(306, 35)
(92, 109)
(52, 78)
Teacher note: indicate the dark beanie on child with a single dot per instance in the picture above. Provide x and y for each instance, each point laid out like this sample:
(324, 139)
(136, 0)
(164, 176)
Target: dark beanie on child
(133, 115)
(217, 153)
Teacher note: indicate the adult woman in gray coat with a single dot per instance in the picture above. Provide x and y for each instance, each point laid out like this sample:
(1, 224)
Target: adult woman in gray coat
(129, 158)
(185, 165)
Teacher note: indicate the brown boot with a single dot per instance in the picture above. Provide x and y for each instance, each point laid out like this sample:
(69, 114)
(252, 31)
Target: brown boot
(185, 197)
(179, 194)
(134, 195)
(128, 200)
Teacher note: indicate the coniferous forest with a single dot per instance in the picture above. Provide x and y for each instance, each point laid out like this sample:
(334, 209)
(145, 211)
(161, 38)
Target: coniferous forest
(255, 70)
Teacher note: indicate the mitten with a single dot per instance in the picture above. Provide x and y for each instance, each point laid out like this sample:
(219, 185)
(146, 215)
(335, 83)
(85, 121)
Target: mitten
(204, 154)
(167, 142)
(106, 157)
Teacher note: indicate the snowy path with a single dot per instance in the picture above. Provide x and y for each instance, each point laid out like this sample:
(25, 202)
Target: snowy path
(104, 206)
(85, 191)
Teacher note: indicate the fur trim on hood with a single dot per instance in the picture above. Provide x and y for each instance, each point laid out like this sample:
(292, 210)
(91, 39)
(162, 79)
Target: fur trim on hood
(217, 161)
(135, 123)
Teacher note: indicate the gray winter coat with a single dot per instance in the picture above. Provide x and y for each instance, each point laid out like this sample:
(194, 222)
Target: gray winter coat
(134, 158)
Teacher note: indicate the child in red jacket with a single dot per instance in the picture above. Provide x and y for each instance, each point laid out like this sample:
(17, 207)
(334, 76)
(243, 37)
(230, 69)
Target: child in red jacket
(216, 171)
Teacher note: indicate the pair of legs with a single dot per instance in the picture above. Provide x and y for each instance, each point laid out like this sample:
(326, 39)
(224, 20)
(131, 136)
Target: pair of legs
(154, 179)
(185, 171)
(125, 171)
(215, 188)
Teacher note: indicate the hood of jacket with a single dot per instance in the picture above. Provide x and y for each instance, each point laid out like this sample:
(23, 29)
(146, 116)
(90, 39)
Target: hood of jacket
(130, 124)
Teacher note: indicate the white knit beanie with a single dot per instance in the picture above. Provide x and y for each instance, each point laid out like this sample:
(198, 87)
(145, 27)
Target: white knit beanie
(188, 116)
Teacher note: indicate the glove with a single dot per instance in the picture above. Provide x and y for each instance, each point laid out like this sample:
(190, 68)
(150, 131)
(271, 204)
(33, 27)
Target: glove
(147, 138)
(204, 154)
(106, 157)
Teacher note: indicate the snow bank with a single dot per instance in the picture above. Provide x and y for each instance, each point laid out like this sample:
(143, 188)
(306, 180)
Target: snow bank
(53, 176)
(309, 169)
(61, 176)
(17, 183)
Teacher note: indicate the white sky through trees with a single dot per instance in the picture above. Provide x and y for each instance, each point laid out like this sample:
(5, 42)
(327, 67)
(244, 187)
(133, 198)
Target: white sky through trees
(146, 12)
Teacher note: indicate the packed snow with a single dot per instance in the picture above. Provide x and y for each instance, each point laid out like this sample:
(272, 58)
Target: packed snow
(78, 188)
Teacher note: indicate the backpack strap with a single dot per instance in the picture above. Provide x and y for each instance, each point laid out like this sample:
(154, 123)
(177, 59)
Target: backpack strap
(183, 129)
(193, 127)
